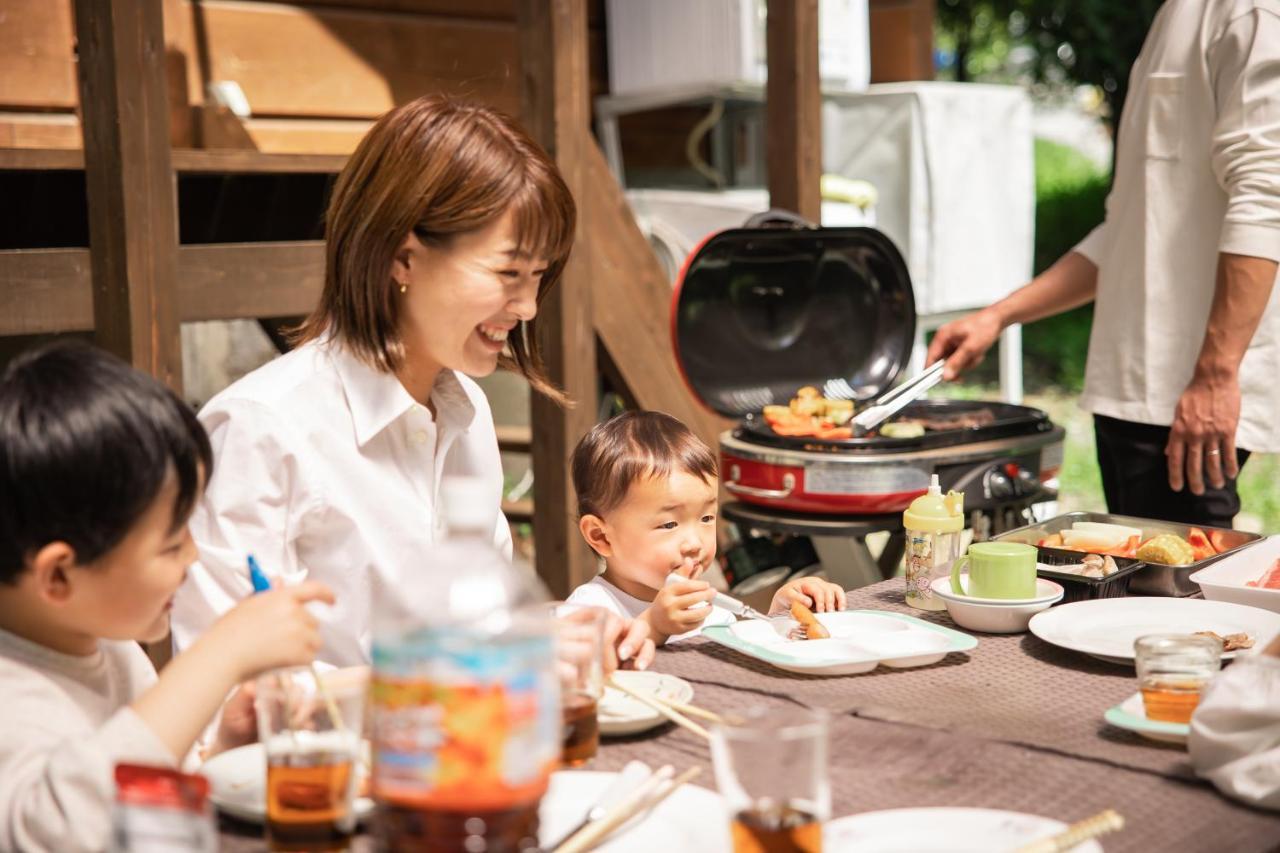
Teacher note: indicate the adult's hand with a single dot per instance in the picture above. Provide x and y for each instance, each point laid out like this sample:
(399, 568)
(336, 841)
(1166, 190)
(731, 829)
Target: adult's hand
(964, 342)
(627, 644)
(1202, 438)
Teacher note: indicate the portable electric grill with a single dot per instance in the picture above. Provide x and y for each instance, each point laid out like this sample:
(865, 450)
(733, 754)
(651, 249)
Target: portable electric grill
(760, 312)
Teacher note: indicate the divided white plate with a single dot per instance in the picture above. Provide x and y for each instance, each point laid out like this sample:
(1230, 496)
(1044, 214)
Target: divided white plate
(941, 831)
(1225, 580)
(1106, 628)
(860, 641)
(621, 714)
(238, 784)
(1131, 714)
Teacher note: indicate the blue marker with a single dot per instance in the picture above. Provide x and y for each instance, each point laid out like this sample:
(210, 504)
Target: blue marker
(259, 578)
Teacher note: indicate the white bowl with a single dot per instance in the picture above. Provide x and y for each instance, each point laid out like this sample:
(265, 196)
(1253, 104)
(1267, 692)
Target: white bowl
(1226, 579)
(996, 615)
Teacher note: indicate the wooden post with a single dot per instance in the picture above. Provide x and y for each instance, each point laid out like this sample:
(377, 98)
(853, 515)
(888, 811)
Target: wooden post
(133, 221)
(793, 108)
(554, 88)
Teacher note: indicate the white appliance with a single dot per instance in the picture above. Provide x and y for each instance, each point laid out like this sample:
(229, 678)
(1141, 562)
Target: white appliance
(676, 221)
(656, 44)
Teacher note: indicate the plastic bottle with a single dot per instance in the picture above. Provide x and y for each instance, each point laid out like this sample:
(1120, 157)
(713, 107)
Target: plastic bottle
(933, 526)
(466, 709)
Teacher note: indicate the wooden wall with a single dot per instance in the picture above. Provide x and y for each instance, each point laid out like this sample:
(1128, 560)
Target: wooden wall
(315, 73)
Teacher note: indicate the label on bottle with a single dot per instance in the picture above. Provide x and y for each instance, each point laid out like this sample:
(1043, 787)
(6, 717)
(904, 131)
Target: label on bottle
(464, 722)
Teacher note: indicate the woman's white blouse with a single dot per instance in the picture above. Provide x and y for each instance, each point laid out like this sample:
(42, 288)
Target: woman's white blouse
(326, 469)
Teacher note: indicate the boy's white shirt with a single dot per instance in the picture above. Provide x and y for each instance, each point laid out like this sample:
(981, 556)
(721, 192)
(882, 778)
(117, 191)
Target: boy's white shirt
(1235, 732)
(65, 723)
(598, 592)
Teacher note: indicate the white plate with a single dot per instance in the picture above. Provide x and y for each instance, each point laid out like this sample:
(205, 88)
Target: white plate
(860, 641)
(1131, 714)
(238, 784)
(1046, 591)
(993, 615)
(693, 819)
(621, 714)
(1106, 628)
(949, 830)
(1225, 580)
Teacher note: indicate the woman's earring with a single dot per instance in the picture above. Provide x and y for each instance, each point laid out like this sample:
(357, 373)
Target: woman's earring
(404, 288)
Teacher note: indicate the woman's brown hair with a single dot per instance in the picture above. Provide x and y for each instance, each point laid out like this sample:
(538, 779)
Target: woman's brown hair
(436, 167)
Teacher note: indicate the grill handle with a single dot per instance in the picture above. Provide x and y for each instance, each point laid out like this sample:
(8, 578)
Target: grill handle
(732, 484)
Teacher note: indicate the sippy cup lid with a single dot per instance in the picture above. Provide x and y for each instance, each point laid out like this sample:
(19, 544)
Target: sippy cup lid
(934, 513)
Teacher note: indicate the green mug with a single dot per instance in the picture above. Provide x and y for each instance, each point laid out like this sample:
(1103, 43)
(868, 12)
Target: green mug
(997, 570)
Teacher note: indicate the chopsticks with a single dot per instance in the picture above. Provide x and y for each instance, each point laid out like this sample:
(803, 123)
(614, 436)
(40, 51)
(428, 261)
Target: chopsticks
(665, 710)
(897, 399)
(642, 799)
(1077, 833)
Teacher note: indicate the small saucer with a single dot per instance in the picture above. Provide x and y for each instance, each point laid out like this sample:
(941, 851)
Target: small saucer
(1132, 715)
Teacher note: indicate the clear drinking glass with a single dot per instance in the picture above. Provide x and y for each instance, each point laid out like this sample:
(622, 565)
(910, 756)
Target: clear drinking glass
(310, 725)
(580, 665)
(771, 769)
(1173, 669)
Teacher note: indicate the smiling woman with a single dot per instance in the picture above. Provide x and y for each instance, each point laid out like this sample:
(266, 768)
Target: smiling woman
(445, 230)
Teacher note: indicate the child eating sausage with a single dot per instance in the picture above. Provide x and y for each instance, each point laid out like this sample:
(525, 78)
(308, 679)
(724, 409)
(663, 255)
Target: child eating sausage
(99, 468)
(647, 503)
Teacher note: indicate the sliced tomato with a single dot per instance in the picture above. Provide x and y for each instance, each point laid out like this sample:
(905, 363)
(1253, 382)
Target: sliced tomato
(1200, 547)
(1219, 541)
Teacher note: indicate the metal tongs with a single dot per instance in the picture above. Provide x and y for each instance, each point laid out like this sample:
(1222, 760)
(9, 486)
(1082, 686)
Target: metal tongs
(897, 399)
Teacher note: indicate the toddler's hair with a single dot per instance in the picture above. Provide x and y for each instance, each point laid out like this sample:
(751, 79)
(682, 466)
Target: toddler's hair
(86, 442)
(630, 447)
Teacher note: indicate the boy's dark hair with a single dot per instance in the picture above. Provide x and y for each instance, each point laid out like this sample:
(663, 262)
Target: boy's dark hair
(86, 442)
(630, 447)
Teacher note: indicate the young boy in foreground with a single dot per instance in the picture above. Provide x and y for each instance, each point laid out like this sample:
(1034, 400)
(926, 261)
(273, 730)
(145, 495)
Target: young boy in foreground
(99, 468)
(647, 497)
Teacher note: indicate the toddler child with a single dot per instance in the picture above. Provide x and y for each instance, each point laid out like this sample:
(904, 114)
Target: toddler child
(99, 468)
(647, 498)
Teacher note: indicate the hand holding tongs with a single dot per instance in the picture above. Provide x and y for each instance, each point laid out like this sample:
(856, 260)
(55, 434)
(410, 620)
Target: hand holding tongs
(897, 399)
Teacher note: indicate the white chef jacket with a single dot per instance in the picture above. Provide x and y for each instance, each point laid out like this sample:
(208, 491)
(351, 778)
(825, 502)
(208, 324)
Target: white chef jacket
(326, 469)
(1197, 173)
(1235, 731)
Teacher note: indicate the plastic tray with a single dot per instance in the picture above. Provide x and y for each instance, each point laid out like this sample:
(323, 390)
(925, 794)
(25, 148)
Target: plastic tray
(1078, 588)
(860, 641)
(1155, 579)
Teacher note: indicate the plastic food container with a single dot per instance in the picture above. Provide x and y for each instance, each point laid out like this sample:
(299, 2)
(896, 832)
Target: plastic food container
(1079, 588)
(1155, 579)
(1226, 579)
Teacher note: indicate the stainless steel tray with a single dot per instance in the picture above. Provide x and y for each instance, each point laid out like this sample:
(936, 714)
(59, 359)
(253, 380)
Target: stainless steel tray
(1154, 579)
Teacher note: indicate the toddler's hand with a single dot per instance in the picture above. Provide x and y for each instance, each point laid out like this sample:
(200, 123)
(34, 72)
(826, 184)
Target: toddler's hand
(272, 629)
(818, 595)
(673, 611)
(239, 723)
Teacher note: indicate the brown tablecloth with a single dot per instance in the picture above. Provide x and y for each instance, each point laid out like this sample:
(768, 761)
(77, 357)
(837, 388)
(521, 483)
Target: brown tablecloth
(1014, 724)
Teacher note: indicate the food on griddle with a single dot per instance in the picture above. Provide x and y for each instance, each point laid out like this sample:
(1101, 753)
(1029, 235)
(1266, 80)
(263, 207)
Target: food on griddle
(813, 629)
(1270, 578)
(960, 420)
(1092, 566)
(811, 414)
(1167, 549)
(1230, 642)
(902, 429)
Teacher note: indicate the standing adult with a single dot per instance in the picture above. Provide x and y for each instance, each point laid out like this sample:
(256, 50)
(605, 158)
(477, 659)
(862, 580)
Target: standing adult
(445, 230)
(1183, 372)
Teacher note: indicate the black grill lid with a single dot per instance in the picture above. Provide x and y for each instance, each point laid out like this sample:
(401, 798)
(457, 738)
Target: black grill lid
(760, 312)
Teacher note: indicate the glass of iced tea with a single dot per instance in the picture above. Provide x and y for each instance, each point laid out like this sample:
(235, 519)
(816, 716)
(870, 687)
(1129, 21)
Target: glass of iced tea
(1173, 669)
(310, 725)
(579, 660)
(771, 769)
